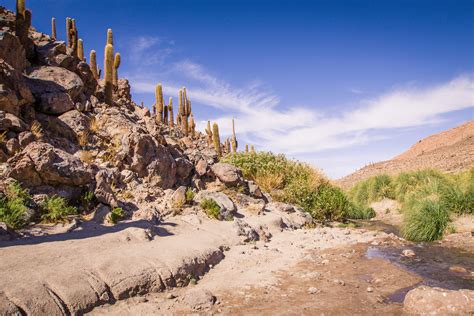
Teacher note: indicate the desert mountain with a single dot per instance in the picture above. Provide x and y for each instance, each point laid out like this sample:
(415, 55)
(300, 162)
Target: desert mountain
(450, 151)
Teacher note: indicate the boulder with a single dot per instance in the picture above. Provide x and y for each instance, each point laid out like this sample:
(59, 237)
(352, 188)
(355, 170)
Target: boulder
(201, 167)
(12, 51)
(16, 124)
(14, 93)
(279, 207)
(227, 207)
(26, 138)
(56, 89)
(184, 168)
(245, 231)
(103, 190)
(227, 173)
(40, 163)
(5, 232)
(178, 199)
(254, 190)
(425, 300)
(47, 52)
(198, 299)
(75, 120)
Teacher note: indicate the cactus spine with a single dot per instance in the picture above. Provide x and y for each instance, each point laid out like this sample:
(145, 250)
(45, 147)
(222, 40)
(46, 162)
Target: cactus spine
(53, 28)
(80, 50)
(93, 64)
(108, 74)
(159, 103)
(110, 37)
(216, 140)
(209, 133)
(170, 110)
(116, 66)
(234, 138)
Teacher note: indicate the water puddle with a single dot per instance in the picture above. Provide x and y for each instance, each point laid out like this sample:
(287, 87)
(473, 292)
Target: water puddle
(449, 268)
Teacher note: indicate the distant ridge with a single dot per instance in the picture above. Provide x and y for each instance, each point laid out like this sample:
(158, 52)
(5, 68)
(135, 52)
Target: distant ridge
(449, 151)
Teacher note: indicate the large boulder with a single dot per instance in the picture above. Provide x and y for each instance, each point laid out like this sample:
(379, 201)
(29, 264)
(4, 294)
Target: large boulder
(56, 89)
(227, 173)
(227, 207)
(14, 93)
(40, 163)
(12, 51)
(425, 300)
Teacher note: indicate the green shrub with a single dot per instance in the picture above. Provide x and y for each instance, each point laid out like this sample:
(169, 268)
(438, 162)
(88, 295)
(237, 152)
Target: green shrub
(86, 200)
(372, 189)
(294, 182)
(189, 195)
(13, 206)
(360, 212)
(116, 214)
(426, 223)
(211, 208)
(56, 209)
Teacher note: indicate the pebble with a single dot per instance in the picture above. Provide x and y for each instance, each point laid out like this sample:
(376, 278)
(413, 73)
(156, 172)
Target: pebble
(325, 261)
(170, 296)
(457, 269)
(370, 290)
(313, 290)
(340, 282)
(408, 253)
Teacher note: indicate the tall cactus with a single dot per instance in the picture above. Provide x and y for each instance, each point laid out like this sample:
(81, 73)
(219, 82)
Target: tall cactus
(216, 140)
(53, 28)
(192, 126)
(110, 37)
(22, 26)
(246, 148)
(74, 37)
(165, 115)
(234, 138)
(68, 31)
(252, 149)
(108, 73)
(159, 103)
(115, 70)
(80, 50)
(209, 133)
(227, 145)
(93, 64)
(170, 110)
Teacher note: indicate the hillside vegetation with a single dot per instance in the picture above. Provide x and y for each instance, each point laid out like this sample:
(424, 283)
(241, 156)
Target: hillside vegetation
(430, 199)
(298, 183)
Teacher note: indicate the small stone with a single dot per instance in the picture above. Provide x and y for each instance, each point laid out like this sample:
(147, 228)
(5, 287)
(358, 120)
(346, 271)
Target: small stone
(408, 253)
(370, 289)
(170, 296)
(340, 282)
(313, 290)
(457, 269)
(325, 261)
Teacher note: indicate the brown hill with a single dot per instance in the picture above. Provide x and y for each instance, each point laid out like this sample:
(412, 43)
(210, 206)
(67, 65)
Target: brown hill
(450, 151)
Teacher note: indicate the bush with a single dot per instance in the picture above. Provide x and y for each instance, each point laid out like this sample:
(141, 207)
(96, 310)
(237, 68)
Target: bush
(116, 214)
(55, 209)
(294, 182)
(211, 208)
(189, 195)
(426, 223)
(373, 189)
(13, 206)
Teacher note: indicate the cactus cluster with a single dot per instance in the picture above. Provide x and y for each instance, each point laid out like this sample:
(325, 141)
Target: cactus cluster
(72, 36)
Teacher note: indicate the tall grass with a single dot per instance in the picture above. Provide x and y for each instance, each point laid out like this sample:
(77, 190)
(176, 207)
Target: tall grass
(296, 183)
(13, 206)
(428, 198)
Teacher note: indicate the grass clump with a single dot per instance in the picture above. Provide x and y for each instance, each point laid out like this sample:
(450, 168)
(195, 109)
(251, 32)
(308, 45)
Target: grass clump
(294, 182)
(116, 214)
(189, 195)
(211, 208)
(428, 198)
(13, 206)
(56, 209)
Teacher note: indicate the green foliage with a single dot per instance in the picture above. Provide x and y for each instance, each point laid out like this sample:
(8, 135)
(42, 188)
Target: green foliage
(427, 222)
(116, 215)
(425, 196)
(294, 182)
(211, 208)
(86, 200)
(56, 209)
(189, 195)
(13, 206)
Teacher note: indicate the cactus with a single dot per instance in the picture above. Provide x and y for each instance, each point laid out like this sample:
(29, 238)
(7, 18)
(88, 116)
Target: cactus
(68, 31)
(227, 145)
(108, 73)
(93, 64)
(159, 103)
(153, 108)
(183, 115)
(74, 37)
(216, 140)
(115, 70)
(252, 149)
(142, 105)
(170, 110)
(110, 37)
(22, 27)
(192, 126)
(209, 133)
(80, 50)
(53, 28)
(246, 148)
(235, 144)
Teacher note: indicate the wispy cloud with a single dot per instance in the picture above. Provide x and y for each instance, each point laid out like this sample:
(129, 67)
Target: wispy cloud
(146, 51)
(299, 131)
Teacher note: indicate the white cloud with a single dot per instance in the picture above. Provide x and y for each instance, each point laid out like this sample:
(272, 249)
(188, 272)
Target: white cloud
(298, 130)
(146, 51)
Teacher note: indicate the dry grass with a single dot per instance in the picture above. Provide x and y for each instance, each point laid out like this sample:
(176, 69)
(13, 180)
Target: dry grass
(112, 150)
(36, 130)
(3, 137)
(83, 139)
(93, 125)
(86, 156)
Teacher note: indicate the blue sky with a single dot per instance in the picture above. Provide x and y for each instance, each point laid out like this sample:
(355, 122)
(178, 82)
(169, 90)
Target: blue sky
(338, 84)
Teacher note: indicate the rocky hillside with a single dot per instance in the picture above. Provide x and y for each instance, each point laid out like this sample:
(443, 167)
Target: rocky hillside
(450, 151)
(65, 131)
